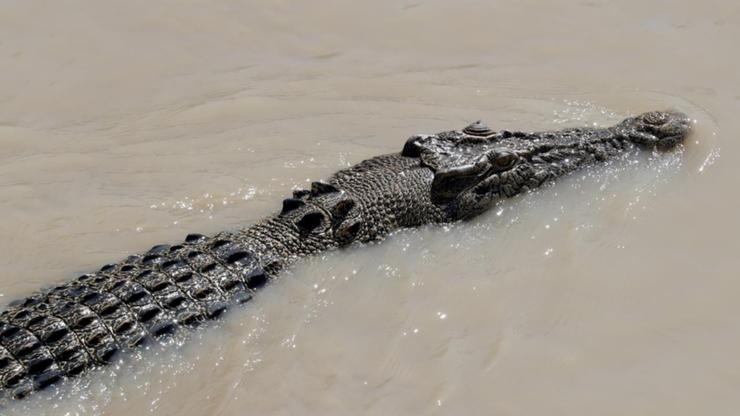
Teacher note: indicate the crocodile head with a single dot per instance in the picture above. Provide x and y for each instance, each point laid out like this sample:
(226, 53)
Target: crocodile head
(477, 166)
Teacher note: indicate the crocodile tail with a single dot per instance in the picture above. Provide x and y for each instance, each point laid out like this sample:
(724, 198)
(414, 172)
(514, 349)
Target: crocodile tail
(84, 323)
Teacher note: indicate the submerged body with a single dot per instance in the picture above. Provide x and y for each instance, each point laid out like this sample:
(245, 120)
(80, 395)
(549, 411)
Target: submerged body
(435, 179)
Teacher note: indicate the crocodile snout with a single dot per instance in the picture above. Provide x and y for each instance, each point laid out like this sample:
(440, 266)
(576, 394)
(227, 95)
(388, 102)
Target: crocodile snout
(664, 129)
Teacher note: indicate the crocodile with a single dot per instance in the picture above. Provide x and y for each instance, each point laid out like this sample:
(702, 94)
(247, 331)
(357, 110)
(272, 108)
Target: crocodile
(451, 176)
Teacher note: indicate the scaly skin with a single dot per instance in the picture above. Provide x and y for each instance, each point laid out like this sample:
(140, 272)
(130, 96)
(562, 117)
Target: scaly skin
(439, 178)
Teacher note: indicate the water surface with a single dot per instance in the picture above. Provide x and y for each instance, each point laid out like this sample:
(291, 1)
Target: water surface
(614, 292)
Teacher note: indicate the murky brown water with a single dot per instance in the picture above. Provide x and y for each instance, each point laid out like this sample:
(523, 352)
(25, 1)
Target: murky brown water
(125, 124)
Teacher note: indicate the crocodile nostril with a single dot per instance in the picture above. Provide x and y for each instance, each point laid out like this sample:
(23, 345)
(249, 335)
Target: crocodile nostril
(655, 118)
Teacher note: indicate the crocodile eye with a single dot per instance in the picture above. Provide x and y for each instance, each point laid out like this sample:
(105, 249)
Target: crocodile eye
(502, 160)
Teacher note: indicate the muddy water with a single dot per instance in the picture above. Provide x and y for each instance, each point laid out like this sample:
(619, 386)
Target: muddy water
(614, 292)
